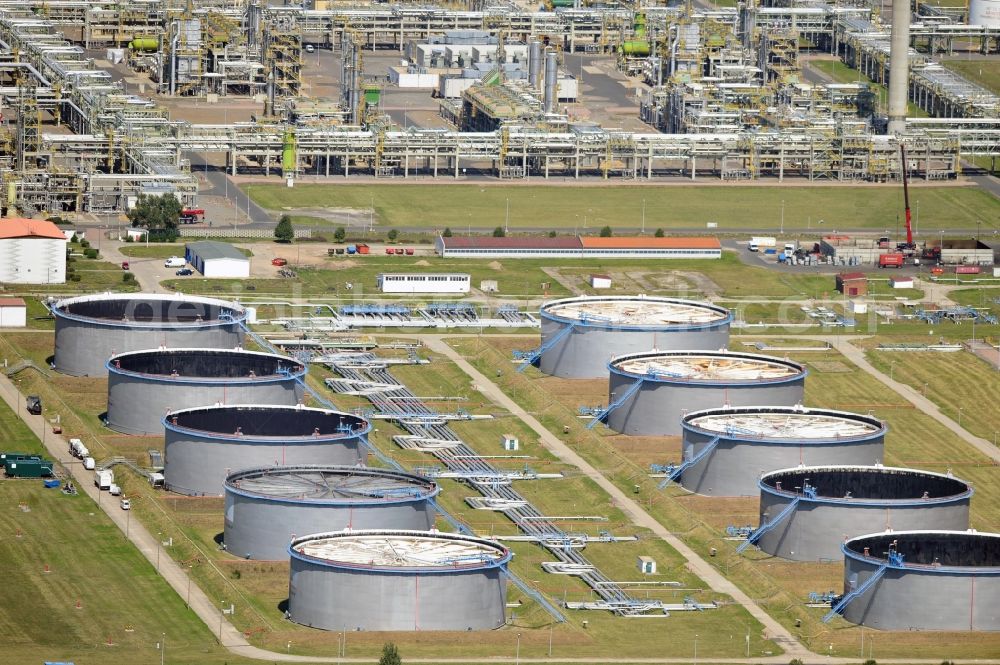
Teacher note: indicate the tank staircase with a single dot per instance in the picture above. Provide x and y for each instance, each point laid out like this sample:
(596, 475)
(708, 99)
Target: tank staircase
(528, 358)
(675, 472)
(601, 415)
(124, 461)
(767, 526)
(895, 561)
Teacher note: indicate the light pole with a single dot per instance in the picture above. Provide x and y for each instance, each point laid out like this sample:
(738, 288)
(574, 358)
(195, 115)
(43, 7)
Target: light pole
(959, 416)
(696, 649)
(222, 612)
(782, 215)
(892, 366)
(159, 545)
(517, 651)
(187, 601)
(506, 219)
(163, 646)
(644, 216)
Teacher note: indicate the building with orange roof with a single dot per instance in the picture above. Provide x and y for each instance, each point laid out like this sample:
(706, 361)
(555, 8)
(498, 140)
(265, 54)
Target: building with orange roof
(32, 251)
(576, 247)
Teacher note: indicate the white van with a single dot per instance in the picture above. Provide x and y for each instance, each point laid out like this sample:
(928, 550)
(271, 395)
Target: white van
(88, 463)
(175, 262)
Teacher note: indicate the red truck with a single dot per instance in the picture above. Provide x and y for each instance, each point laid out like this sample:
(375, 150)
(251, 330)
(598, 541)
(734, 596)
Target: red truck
(894, 260)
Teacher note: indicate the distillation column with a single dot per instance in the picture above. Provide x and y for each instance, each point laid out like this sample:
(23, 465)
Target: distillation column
(899, 74)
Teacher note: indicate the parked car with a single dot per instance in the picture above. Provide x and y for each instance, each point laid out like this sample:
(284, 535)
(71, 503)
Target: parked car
(310, 48)
(184, 272)
(126, 504)
(175, 262)
(124, 265)
(34, 405)
(278, 261)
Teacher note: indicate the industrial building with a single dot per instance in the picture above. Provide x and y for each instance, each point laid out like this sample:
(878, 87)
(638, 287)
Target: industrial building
(922, 580)
(578, 247)
(91, 329)
(397, 580)
(727, 450)
(807, 513)
(456, 283)
(145, 385)
(649, 393)
(32, 251)
(13, 313)
(217, 259)
(267, 507)
(852, 284)
(203, 445)
(580, 335)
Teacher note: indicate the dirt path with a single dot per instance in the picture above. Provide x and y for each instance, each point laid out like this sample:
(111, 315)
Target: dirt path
(716, 581)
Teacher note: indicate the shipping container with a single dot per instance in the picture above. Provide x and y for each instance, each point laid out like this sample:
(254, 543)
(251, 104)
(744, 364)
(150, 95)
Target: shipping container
(363, 248)
(967, 270)
(28, 468)
(890, 260)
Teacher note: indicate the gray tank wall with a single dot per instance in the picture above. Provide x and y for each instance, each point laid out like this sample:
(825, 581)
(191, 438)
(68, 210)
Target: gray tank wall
(585, 352)
(815, 531)
(260, 528)
(199, 466)
(656, 409)
(911, 600)
(734, 467)
(83, 348)
(136, 405)
(339, 599)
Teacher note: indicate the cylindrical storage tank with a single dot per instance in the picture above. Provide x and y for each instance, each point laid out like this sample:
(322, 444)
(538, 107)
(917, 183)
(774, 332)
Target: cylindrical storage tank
(203, 445)
(656, 389)
(750, 441)
(833, 503)
(985, 13)
(397, 580)
(267, 507)
(143, 385)
(607, 326)
(931, 580)
(91, 329)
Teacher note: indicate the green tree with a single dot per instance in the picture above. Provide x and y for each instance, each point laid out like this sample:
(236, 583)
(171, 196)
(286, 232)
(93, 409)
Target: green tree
(340, 234)
(606, 232)
(156, 212)
(392, 235)
(552, 234)
(498, 232)
(446, 233)
(284, 232)
(390, 655)
(659, 233)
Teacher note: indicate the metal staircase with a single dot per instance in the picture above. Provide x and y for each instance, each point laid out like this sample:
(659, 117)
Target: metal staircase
(767, 526)
(848, 598)
(528, 358)
(675, 472)
(624, 397)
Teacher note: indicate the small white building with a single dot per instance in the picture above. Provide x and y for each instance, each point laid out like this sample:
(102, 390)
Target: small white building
(32, 251)
(510, 442)
(647, 565)
(901, 282)
(217, 259)
(858, 307)
(600, 281)
(424, 282)
(135, 233)
(489, 286)
(13, 313)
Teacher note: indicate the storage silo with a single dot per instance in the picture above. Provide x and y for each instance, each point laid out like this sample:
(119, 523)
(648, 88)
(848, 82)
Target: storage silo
(144, 385)
(580, 335)
(922, 580)
(808, 512)
(269, 506)
(397, 580)
(650, 392)
(203, 445)
(732, 447)
(91, 329)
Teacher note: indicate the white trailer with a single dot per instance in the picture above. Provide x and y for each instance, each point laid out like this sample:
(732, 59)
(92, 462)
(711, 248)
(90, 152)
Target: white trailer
(77, 449)
(758, 243)
(104, 479)
(424, 282)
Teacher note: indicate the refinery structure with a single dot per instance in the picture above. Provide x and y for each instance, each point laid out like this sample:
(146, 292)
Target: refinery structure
(725, 94)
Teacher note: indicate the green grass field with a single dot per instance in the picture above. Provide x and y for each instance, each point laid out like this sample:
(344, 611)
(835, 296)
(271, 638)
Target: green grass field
(587, 209)
(985, 73)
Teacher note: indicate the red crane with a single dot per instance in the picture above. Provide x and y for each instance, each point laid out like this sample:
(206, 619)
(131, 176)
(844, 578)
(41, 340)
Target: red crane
(908, 245)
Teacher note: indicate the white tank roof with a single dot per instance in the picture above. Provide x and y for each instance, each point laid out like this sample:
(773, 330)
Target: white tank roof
(399, 549)
(707, 367)
(787, 425)
(636, 311)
